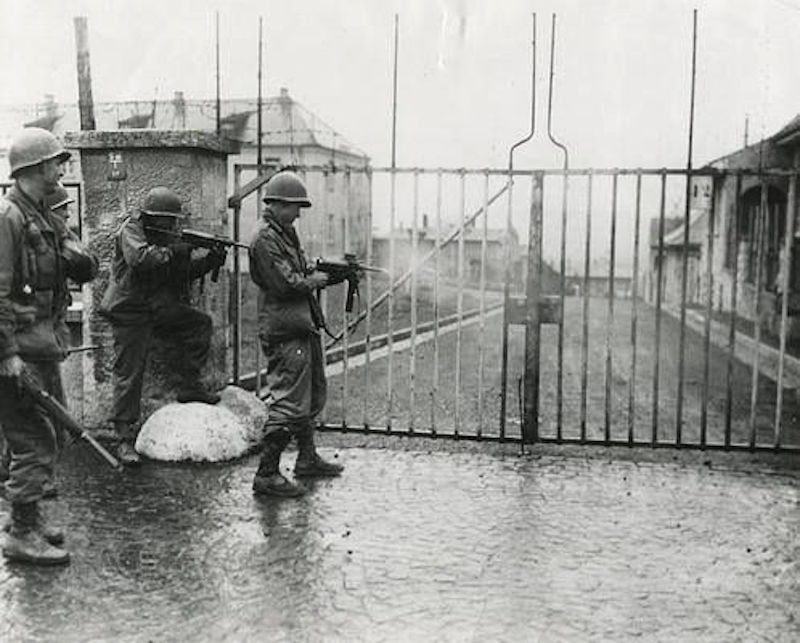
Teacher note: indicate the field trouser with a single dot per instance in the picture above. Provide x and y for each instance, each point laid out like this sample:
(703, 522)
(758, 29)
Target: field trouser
(30, 434)
(188, 331)
(295, 382)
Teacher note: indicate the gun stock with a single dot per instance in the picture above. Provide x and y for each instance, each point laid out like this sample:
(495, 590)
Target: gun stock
(57, 412)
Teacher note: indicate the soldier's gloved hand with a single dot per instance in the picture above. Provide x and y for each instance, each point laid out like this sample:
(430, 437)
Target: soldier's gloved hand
(11, 366)
(217, 256)
(318, 279)
(181, 252)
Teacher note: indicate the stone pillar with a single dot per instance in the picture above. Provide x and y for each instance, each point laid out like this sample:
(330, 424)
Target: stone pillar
(118, 168)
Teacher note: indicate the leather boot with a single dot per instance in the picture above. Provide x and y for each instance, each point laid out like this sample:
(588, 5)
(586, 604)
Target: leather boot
(25, 542)
(52, 535)
(126, 454)
(197, 393)
(309, 463)
(5, 462)
(268, 479)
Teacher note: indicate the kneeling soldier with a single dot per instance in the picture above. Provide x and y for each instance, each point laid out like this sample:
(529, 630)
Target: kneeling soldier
(147, 296)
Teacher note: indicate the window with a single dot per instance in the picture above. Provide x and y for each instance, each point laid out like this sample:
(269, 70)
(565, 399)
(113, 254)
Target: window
(764, 232)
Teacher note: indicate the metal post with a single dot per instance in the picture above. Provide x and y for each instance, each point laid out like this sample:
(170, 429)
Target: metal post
(85, 101)
(236, 297)
(530, 425)
(686, 226)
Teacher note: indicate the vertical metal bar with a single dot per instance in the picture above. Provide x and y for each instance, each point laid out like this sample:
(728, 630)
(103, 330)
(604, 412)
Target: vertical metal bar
(734, 303)
(587, 260)
(506, 304)
(259, 119)
(412, 366)
(460, 297)
(218, 101)
(610, 321)
(563, 264)
(709, 310)
(786, 266)
(436, 267)
(634, 310)
(761, 233)
(394, 89)
(345, 315)
(236, 297)
(368, 317)
(685, 258)
(659, 296)
(530, 424)
(482, 305)
(390, 302)
(259, 162)
(392, 218)
(508, 238)
(260, 109)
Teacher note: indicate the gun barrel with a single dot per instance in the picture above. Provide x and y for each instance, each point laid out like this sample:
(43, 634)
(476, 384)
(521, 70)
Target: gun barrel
(58, 413)
(210, 239)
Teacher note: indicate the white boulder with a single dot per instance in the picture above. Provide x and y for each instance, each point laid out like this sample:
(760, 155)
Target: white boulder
(202, 432)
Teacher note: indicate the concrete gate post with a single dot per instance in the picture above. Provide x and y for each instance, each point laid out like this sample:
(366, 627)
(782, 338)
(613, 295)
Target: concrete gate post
(118, 168)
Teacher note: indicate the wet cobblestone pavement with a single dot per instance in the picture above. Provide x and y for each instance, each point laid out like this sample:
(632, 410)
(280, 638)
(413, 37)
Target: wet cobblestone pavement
(412, 544)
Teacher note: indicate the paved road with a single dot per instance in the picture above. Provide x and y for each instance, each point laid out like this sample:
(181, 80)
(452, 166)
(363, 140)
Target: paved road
(424, 541)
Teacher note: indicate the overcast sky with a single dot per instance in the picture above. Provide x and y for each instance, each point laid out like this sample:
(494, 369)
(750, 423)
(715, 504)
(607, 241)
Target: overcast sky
(621, 86)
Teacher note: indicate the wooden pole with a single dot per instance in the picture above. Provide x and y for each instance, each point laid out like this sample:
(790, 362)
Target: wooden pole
(85, 102)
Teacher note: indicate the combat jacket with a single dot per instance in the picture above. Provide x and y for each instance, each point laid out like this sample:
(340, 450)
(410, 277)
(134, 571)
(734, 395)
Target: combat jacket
(146, 275)
(278, 266)
(33, 287)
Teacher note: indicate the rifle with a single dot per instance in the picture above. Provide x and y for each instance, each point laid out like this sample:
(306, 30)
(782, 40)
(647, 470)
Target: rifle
(200, 239)
(57, 412)
(348, 270)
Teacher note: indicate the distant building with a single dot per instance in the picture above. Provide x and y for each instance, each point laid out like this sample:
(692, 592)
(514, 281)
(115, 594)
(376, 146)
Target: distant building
(291, 136)
(734, 248)
(448, 266)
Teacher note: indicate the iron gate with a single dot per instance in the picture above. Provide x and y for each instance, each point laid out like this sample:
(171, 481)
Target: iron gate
(646, 282)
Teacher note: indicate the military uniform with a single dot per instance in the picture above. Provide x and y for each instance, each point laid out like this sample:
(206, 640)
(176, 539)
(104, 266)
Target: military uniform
(34, 265)
(289, 322)
(80, 266)
(148, 297)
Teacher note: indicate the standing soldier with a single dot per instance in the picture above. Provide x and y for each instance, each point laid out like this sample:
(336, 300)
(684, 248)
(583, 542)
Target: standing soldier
(289, 327)
(80, 266)
(34, 265)
(147, 296)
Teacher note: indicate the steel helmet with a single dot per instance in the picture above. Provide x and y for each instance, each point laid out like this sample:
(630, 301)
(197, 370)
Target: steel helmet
(286, 187)
(34, 145)
(161, 201)
(59, 198)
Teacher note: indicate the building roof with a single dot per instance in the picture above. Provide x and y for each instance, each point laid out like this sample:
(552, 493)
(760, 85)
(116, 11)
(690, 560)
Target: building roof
(766, 152)
(285, 122)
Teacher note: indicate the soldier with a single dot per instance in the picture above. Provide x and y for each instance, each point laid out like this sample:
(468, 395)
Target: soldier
(289, 327)
(81, 266)
(34, 265)
(147, 296)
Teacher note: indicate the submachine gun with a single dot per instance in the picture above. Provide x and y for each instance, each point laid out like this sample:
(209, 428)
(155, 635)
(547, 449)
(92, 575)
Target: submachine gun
(59, 414)
(348, 269)
(200, 239)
